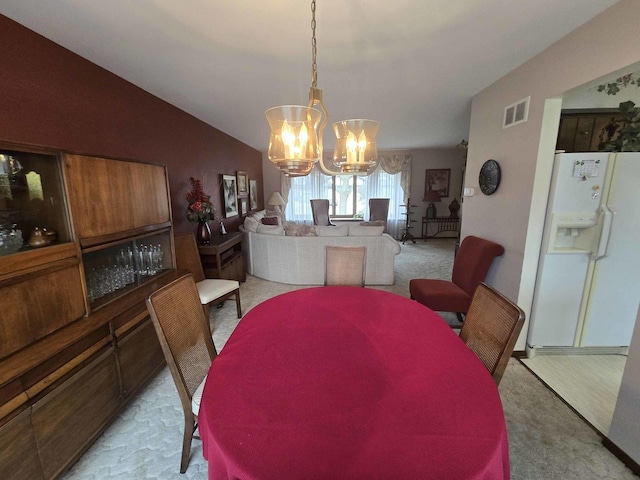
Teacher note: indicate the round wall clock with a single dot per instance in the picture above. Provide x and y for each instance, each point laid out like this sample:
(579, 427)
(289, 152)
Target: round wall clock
(489, 177)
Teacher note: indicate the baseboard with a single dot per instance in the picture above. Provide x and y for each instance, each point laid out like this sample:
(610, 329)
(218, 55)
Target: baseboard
(519, 354)
(533, 351)
(622, 456)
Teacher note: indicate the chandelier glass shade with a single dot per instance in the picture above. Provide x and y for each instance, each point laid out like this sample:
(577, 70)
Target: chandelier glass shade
(355, 152)
(295, 143)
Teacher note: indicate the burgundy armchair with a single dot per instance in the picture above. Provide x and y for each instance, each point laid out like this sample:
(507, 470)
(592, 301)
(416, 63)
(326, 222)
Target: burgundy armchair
(470, 267)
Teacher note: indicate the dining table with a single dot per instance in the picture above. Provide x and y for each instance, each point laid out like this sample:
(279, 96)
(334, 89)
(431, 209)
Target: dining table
(350, 383)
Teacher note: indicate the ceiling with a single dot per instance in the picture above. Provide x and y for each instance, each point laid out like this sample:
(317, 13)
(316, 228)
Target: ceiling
(414, 65)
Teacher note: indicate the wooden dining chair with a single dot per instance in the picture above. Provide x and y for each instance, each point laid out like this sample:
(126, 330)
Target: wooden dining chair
(183, 332)
(379, 210)
(345, 265)
(491, 328)
(211, 290)
(470, 267)
(320, 211)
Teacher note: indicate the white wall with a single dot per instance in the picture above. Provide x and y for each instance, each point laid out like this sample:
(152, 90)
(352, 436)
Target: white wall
(587, 96)
(434, 158)
(513, 216)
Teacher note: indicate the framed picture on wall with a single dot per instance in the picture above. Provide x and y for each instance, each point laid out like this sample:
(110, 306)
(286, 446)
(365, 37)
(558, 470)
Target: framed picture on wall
(229, 196)
(243, 206)
(243, 184)
(253, 194)
(437, 180)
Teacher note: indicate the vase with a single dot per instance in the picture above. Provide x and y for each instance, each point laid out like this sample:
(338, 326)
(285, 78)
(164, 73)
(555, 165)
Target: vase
(203, 233)
(454, 207)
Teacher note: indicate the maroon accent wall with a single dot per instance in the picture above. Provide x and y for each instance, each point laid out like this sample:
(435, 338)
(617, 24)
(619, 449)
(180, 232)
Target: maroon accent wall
(52, 97)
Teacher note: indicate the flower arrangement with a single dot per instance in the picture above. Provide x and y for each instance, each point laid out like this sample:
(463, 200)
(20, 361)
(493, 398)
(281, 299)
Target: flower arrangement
(200, 208)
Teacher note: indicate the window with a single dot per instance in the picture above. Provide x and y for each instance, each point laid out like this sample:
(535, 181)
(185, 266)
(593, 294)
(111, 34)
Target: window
(348, 196)
(345, 196)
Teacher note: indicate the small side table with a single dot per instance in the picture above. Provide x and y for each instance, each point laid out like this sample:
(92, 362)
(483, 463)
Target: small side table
(223, 258)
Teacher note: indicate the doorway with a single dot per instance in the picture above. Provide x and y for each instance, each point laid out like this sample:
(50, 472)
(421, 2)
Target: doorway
(588, 382)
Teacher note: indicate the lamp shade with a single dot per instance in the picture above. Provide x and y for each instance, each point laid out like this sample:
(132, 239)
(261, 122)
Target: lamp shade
(293, 143)
(431, 196)
(355, 151)
(276, 199)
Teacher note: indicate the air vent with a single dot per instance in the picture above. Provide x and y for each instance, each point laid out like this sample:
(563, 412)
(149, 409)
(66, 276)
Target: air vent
(516, 113)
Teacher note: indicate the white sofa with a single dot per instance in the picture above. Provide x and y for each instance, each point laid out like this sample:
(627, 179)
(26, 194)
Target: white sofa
(300, 260)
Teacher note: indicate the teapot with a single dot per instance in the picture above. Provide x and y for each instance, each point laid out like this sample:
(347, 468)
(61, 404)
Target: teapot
(39, 238)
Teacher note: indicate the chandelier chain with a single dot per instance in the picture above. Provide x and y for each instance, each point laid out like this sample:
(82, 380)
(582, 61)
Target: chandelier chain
(314, 48)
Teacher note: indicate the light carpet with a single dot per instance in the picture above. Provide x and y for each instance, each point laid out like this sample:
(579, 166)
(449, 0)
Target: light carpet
(547, 439)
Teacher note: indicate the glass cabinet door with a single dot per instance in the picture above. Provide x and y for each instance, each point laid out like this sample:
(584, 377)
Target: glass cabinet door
(113, 270)
(33, 211)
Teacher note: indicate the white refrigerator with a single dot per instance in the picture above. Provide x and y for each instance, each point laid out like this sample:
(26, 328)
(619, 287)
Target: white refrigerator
(588, 283)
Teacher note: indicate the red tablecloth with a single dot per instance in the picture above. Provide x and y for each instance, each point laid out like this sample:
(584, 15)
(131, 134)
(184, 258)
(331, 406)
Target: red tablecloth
(350, 383)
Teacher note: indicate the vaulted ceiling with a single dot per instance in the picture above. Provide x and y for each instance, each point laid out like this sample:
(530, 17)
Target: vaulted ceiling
(414, 65)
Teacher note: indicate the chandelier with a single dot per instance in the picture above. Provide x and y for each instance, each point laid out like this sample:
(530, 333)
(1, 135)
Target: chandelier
(295, 143)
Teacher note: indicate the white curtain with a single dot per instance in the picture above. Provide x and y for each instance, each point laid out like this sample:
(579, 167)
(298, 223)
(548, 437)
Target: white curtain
(391, 180)
(297, 192)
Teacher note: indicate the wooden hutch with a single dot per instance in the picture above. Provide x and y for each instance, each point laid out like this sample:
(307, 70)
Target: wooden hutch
(83, 242)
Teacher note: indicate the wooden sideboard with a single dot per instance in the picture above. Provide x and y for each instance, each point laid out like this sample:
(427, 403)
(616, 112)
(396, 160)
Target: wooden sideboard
(440, 224)
(76, 342)
(222, 257)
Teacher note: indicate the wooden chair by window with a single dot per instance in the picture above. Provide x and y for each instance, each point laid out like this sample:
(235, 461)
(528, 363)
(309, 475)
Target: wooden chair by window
(379, 210)
(470, 267)
(320, 211)
(183, 332)
(211, 290)
(345, 265)
(491, 328)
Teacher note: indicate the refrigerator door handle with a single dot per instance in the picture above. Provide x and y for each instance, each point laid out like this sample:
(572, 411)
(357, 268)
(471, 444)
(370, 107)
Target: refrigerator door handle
(603, 243)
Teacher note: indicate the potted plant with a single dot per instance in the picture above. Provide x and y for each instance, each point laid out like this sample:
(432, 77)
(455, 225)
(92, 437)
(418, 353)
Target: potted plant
(628, 138)
(200, 210)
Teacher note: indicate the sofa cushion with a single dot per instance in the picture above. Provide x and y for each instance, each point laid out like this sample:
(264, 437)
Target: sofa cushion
(270, 229)
(365, 231)
(251, 223)
(332, 231)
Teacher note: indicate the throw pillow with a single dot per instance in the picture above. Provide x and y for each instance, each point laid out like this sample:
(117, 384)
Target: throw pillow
(251, 223)
(271, 229)
(328, 231)
(291, 229)
(275, 213)
(359, 231)
(270, 221)
(307, 231)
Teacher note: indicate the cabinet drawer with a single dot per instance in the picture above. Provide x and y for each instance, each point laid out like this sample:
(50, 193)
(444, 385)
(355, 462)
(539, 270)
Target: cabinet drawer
(18, 450)
(67, 420)
(140, 357)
